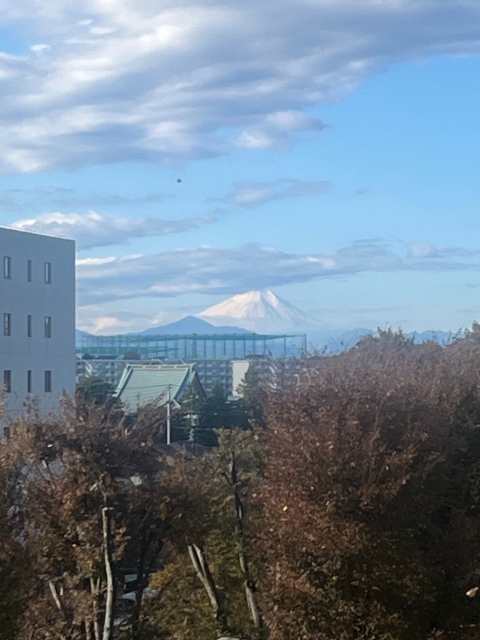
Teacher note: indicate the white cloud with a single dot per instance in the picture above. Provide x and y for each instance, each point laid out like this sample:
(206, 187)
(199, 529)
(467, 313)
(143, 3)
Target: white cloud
(201, 270)
(101, 31)
(41, 199)
(95, 230)
(39, 48)
(427, 250)
(211, 270)
(252, 194)
(273, 132)
(98, 319)
(137, 79)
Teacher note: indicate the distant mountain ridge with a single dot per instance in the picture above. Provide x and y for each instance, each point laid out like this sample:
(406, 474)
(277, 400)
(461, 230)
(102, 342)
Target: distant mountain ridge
(334, 340)
(261, 312)
(265, 313)
(79, 335)
(189, 325)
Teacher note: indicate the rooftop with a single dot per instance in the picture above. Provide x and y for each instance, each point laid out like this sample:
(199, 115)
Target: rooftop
(141, 384)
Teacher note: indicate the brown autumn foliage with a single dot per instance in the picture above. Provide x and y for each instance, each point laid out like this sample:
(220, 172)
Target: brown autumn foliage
(371, 501)
(90, 506)
(15, 574)
(350, 512)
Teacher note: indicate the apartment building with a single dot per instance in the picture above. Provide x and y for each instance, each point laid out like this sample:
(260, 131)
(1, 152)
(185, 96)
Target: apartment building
(37, 321)
(109, 369)
(210, 372)
(83, 370)
(215, 372)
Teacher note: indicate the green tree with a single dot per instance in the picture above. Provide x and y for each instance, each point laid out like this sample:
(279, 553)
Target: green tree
(218, 412)
(255, 395)
(93, 390)
(209, 583)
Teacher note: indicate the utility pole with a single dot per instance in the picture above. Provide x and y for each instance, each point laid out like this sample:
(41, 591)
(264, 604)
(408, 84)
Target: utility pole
(169, 413)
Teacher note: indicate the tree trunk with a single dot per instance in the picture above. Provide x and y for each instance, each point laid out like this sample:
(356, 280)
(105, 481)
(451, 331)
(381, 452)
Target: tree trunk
(110, 597)
(203, 571)
(149, 547)
(58, 603)
(249, 583)
(95, 590)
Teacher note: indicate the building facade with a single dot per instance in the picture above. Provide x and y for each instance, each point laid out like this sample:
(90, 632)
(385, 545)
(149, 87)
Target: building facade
(210, 372)
(37, 316)
(215, 372)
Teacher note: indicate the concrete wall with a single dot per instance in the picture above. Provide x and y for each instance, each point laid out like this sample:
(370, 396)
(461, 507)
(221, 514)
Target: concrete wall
(20, 353)
(239, 371)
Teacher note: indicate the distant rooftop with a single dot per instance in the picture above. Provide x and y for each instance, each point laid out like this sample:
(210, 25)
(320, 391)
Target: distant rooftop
(141, 384)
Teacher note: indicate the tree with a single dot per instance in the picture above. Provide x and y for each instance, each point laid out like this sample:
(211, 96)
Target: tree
(255, 395)
(209, 583)
(93, 390)
(132, 355)
(218, 412)
(371, 499)
(93, 507)
(15, 571)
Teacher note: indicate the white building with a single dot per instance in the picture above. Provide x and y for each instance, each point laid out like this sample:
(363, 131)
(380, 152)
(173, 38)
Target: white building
(239, 371)
(37, 320)
(83, 370)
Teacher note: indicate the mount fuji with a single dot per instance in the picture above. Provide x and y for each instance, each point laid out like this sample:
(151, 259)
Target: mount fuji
(261, 312)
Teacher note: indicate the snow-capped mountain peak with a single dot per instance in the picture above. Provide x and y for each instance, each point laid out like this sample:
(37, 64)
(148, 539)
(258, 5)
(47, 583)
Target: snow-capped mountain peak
(260, 311)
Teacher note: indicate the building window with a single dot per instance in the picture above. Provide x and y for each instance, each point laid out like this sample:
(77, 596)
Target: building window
(29, 270)
(29, 382)
(48, 381)
(48, 326)
(7, 324)
(7, 381)
(7, 267)
(29, 326)
(48, 273)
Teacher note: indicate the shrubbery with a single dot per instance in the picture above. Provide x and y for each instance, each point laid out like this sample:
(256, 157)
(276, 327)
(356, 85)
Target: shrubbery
(349, 509)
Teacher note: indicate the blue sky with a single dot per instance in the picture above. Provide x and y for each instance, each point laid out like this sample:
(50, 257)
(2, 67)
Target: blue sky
(328, 151)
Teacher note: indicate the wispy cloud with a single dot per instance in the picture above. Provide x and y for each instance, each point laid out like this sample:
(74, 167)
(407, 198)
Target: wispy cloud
(95, 230)
(40, 199)
(210, 270)
(8, 203)
(274, 131)
(349, 311)
(163, 81)
(252, 194)
(362, 191)
(427, 250)
(97, 319)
